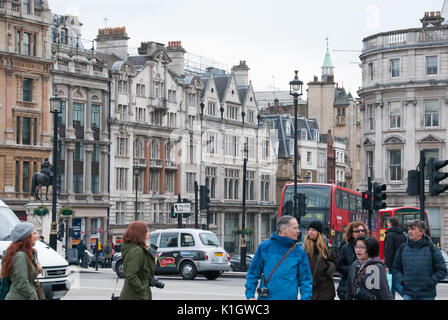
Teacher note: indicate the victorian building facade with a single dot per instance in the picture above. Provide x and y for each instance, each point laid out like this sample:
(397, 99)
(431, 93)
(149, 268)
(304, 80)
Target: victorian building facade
(404, 103)
(231, 131)
(25, 119)
(81, 80)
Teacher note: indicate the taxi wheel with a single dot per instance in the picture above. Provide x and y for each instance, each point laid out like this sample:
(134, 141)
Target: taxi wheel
(188, 270)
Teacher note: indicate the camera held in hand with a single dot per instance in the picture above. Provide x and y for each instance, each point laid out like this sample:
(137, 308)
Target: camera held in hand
(155, 282)
(263, 292)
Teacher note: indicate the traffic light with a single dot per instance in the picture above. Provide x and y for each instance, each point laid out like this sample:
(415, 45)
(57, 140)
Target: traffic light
(186, 214)
(302, 204)
(172, 213)
(434, 176)
(205, 198)
(413, 183)
(61, 231)
(379, 195)
(366, 200)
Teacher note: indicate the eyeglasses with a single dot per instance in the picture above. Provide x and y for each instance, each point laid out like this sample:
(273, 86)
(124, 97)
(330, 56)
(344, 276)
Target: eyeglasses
(360, 248)
(358, 231)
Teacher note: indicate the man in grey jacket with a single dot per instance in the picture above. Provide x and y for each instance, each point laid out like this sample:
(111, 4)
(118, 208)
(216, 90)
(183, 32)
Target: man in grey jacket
(419, 265)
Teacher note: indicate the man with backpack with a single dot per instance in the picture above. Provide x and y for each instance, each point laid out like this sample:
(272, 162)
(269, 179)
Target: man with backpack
(395, 236)
(419, 264)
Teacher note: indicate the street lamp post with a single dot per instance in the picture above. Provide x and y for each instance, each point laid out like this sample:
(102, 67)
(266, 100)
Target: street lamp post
(243, 223)
(137, 170)
(55, 109)
(295, 89)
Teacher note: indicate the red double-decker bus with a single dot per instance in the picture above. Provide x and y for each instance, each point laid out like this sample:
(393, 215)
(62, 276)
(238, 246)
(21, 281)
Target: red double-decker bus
(334, 206)
(404, 214)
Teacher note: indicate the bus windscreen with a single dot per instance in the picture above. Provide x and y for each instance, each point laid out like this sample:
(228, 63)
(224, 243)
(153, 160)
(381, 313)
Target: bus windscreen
(317, 197)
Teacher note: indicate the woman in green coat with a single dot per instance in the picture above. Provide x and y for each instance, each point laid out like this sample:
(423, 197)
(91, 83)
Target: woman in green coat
(138, 263)
(20, 264)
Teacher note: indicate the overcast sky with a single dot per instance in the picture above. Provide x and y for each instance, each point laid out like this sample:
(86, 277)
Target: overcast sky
(275, 37)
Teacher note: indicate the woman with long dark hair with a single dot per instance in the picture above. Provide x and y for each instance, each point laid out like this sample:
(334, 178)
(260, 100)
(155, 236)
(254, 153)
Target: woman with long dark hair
(138, 263)
(322, 262)
(20, 264)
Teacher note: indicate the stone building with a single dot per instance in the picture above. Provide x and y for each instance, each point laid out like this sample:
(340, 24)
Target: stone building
(336, 110)
(25, 121)
(229, 122)
(81, 80)
(404, 103)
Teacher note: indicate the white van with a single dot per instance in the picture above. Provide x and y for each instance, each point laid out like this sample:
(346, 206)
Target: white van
(187, 252)
(54, 280)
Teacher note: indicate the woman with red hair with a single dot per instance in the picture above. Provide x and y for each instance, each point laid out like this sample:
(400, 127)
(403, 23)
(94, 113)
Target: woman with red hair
(20, 264)
(138, 263)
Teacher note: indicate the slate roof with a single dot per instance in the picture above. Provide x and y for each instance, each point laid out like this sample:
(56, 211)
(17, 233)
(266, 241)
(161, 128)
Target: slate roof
(282, 121)
(340, 97)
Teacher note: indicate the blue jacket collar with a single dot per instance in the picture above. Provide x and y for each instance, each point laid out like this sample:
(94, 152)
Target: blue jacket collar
(282, 240)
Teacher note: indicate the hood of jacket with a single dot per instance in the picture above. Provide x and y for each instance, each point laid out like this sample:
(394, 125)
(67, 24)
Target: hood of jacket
(397, 230)
(282, 241)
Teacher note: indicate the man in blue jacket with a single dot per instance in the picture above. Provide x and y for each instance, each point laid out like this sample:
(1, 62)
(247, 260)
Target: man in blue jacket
(292, 273)
(419, 265)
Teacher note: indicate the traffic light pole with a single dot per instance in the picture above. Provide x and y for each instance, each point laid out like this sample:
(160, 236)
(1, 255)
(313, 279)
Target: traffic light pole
(196, 211)
(369, 188)
(422, 185)
(179, 215)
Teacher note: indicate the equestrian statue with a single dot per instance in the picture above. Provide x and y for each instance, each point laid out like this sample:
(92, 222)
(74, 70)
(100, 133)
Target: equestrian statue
(42, 178)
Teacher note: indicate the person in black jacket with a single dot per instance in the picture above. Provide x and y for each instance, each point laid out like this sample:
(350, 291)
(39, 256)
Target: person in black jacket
(419, 265)
(347, 254)
(367, 279)
(395, 236)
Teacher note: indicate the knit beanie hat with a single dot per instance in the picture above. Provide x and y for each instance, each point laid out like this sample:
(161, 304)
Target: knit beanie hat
(21, 231)
(316, 225)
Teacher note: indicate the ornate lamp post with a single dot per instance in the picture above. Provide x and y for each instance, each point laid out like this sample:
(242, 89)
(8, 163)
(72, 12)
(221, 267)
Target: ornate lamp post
(55, 109)
(243, 224)
(137, 171)
(295, 89)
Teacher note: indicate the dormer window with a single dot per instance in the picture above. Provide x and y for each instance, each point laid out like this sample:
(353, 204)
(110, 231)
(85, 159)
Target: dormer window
(63, 36)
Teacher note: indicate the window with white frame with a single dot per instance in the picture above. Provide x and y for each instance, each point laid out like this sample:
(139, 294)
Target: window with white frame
(211, 143)
(395, 68)
(210, 180)
(232, 112)
(231, 183)
(250, 185)
(232, 144)
(371, 115)
(122, 112)
(370, 172)
(154, 181)
(211, 108)
(431, 113)
(155, 149)
(395, 165)
(141, 115)
(122, 179)
(122, 86)
(266, 149)
(169, 181)
(191, 178)
(140, 90)
(120, 212)
(171, 95)
(371, 71)
(395, 115)
(308, 157)
(265, 185)
(431, 65)
(122, 147)
(172, 120)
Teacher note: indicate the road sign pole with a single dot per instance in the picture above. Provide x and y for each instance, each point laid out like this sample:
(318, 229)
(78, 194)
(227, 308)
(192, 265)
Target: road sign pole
(179, 216)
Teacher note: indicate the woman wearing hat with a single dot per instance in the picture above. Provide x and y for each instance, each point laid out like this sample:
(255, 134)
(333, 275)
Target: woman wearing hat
(20, 264)
(322, 262)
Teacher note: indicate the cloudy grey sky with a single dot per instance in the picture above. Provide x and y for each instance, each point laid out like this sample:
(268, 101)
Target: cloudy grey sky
(275, 37)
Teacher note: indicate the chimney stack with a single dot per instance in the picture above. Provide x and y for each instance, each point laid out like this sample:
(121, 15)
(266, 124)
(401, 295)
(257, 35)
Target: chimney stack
(113, 41)
(241, 73)
(176, 52)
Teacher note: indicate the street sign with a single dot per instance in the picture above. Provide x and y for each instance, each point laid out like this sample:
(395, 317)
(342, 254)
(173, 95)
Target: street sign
(182, 207)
